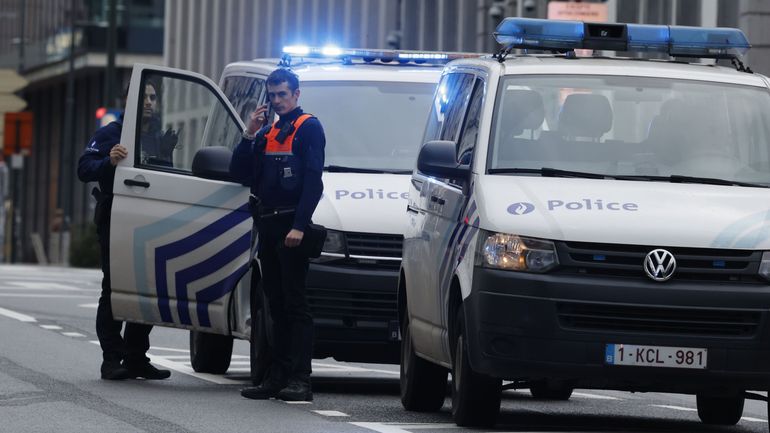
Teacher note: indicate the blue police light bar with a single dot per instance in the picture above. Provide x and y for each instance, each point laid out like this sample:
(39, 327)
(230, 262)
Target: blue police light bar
(401, 56)
(679, 41)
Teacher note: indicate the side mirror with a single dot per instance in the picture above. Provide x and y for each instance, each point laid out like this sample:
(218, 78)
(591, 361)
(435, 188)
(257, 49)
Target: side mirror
(212, 163)
(437, 158)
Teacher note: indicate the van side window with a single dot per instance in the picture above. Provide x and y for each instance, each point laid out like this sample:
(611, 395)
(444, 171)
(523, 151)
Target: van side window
(470, 129)
(169, 134)
(448, 108)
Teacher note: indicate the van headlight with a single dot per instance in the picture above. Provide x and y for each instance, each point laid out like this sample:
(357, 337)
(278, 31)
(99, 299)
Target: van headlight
(518, 253)
(764, 266)
(334, 243)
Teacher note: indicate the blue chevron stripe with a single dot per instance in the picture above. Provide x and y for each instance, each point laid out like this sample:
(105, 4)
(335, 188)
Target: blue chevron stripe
(143, 235)
(199, 270)
(210, 294)
(183, 246)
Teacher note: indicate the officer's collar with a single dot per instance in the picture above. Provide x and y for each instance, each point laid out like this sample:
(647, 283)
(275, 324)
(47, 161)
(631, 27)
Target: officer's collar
(290, 116)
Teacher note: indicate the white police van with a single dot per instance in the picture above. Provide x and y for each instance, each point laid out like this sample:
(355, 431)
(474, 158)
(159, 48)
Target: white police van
(593, 222)
(180, 232)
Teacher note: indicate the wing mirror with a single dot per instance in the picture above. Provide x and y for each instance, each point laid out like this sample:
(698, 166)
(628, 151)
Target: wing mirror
(213, 163)
(438, 158)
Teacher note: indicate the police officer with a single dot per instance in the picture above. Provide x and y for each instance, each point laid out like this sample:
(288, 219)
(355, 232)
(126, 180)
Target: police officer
(123, 357)
(283, 163)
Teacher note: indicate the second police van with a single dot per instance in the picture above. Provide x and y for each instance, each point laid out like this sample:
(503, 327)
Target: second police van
(593, 222)
(181, 232)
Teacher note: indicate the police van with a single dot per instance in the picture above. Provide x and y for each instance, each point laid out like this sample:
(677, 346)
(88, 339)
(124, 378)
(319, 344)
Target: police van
(591, 222)
(181, 233)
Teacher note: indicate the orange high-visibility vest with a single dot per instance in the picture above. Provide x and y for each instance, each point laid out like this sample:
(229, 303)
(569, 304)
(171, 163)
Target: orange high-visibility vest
(274, 147)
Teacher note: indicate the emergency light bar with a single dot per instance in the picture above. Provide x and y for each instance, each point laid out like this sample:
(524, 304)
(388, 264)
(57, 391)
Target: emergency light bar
(367, 55)
(569, 35)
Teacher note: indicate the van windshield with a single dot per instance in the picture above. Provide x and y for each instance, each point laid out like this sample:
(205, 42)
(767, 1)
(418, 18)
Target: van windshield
(369, 125)
(632, 126)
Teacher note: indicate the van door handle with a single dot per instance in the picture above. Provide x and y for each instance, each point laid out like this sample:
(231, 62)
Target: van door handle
(132, 182)
(411, 209)
(438, 200)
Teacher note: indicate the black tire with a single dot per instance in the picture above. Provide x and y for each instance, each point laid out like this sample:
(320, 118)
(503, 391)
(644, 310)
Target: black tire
(260, 354)
(210, 353)
(475, 397)
(423, 384)
(546, 390)
(720, 410)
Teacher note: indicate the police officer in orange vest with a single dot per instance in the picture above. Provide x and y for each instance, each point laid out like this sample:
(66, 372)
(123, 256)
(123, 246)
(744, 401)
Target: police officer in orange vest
(283, 163)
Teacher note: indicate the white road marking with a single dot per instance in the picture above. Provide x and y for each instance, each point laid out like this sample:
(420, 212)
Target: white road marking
(594, 396)
(34, 285)
(72, 334)
(18, 316)
(40, 295)
(169, 349)
(666, 406)
(330, 413)
(402, 428)
(298, 402)
(348, 368)
(95, 305)
(51, 327)
(750, 419)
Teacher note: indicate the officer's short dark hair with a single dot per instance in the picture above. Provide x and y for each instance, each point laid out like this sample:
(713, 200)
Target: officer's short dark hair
(281, 75)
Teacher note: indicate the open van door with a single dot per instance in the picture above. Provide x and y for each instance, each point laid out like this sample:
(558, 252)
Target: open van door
(180, 229)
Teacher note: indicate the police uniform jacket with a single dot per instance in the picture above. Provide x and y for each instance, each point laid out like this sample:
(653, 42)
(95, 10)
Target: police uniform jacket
(287, 179)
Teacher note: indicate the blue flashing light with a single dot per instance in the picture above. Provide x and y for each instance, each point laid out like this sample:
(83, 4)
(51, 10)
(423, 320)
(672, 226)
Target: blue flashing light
(715, 42)
(711, 42)
(540, 34)
(643, 37)
(403, 56)
(297, 50)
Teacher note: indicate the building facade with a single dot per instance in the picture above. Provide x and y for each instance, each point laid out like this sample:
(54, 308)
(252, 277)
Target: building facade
(35, 40)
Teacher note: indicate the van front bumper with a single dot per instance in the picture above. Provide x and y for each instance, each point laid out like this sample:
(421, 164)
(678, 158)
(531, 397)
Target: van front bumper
(355, 313)
(525, 326)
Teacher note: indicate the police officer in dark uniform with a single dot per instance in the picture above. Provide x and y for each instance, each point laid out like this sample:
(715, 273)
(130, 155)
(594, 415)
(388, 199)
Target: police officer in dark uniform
(123, 357)
(283, 163)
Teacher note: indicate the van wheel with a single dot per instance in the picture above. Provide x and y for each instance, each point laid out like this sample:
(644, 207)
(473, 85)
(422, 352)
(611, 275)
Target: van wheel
(423, 384)
(260, 353)
(720, 410)
(475, 397)
(210, 353)
(549, 390)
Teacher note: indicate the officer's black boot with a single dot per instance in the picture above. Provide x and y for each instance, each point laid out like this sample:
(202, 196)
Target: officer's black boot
(113, 370)
(297, 390)
(269, 388)
(146, 370)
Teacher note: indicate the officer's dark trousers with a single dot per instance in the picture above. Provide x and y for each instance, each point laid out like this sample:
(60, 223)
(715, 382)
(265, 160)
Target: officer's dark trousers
(283, 279)
(137, 337)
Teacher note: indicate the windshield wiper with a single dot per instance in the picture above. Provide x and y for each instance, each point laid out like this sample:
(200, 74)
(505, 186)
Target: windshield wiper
(550, 172)
(554, 172)
(343, 169)
(676, 178)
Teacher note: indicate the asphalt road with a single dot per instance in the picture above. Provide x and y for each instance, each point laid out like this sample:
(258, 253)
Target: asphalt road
(49, 382)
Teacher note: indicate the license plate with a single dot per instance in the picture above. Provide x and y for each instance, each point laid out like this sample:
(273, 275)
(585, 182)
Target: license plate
(655, 356)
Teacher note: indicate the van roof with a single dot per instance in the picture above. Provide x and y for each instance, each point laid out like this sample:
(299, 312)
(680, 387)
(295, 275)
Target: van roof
(559, 64)
(331, 70)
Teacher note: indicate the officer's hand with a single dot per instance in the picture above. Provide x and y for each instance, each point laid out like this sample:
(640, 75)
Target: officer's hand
(117, 153)
(257, 120)
(294, 238)
(168, 143)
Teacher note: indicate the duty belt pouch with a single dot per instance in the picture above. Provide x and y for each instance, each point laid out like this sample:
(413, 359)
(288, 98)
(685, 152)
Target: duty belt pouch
(313, 240)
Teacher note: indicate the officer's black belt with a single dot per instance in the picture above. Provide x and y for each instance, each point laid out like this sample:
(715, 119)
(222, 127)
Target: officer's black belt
(275, 212)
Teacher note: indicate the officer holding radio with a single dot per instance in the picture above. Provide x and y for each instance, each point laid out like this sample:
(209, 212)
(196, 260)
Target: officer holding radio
(283, 163)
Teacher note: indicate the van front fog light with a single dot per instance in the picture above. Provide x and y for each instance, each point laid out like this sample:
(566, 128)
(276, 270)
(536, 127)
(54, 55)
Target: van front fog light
(764, 266)
(518, 253)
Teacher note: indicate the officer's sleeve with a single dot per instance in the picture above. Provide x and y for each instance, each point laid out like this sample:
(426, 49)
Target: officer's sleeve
(95, 160)
(244, 160)
(311, 137)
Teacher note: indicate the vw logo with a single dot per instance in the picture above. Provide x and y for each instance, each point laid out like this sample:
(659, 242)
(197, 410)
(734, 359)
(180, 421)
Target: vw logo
(521, 208)
(659, 265)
